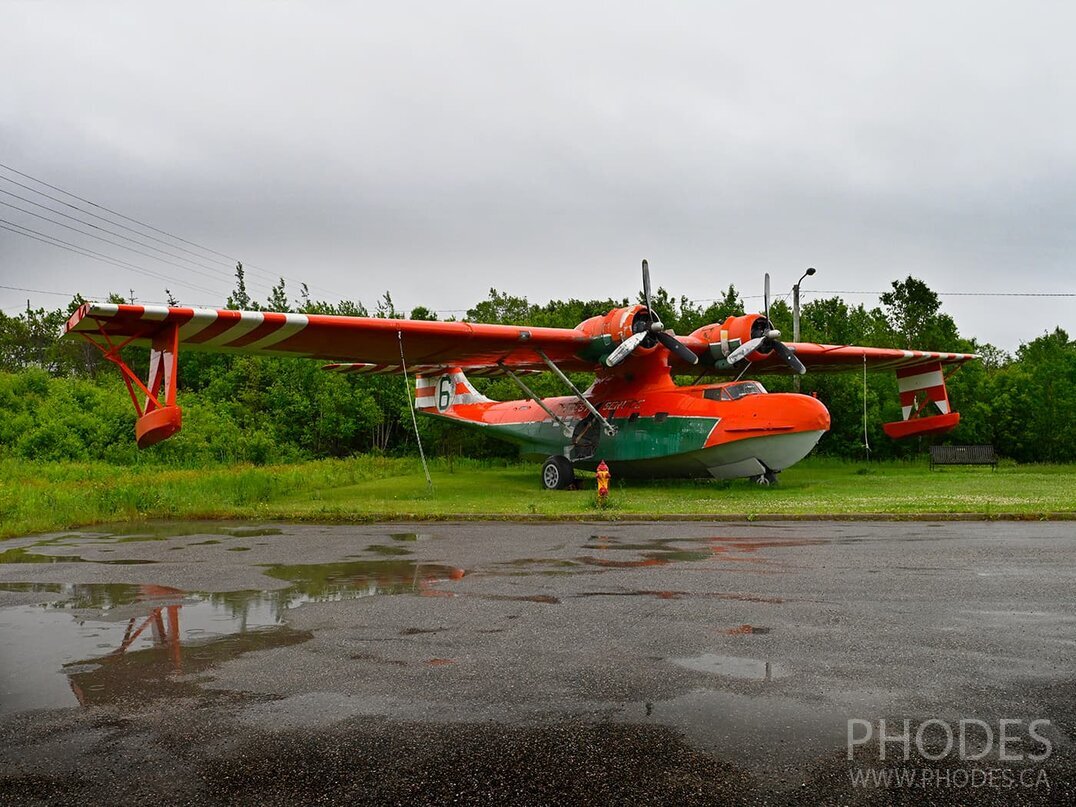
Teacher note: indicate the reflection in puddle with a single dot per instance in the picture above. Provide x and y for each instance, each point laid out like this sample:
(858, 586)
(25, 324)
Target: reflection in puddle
(746, 630)
(151, 634)
(361, 578)
(732, 666)
(104, 643)
(658, 551)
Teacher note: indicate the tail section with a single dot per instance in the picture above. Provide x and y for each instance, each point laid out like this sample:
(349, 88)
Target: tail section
(440, 393)
(918, 387)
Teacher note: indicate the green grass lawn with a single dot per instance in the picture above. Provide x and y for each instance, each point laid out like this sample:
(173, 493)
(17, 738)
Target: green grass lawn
(37, 497)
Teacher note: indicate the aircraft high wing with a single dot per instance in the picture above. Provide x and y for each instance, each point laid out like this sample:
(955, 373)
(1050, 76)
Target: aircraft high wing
(612, 345)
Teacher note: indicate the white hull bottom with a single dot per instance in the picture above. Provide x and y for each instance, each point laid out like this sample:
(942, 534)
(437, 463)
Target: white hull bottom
(756, 455)
(751, 456)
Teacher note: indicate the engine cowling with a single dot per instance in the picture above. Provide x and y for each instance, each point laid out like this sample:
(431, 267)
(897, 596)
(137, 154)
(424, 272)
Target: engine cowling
(617, 324)
(734, 331)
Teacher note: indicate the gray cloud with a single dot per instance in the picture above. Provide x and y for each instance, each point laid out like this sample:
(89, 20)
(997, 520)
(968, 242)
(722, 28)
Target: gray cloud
(440, 149)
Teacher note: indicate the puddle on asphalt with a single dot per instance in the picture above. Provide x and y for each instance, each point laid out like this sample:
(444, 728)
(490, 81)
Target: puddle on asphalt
(104, 643)
(650, 553)
(732, 666)
(27, 555)
(547, 599)
(768, 733)
(410, 536)
(102, 537)
(679, 595)
(385, 549)
(93, 644)
(659, 551)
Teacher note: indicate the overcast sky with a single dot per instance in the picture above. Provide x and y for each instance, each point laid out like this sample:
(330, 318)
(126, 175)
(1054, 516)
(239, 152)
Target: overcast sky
(438, 149)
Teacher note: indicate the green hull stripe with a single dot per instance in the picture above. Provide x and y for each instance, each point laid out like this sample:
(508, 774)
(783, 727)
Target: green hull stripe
(641, 439)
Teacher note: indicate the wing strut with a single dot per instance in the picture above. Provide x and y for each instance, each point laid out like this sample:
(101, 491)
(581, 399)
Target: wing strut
(610, 429)
(530, 394)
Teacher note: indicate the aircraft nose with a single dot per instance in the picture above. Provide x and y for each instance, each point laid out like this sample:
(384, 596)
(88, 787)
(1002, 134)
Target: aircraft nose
(804, 412)
(816, 413)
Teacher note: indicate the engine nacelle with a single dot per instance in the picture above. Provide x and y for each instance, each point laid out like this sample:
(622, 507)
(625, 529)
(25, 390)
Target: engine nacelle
(733, 332)
(617, 324)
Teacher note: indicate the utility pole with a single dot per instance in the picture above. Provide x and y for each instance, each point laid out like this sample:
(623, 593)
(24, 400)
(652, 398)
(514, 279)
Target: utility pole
(796, 317)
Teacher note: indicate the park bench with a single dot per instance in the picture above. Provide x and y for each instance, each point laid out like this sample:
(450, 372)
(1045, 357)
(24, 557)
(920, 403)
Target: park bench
(963, 455)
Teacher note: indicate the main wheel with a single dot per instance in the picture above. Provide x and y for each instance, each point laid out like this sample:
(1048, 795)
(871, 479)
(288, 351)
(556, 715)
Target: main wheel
(557, 473)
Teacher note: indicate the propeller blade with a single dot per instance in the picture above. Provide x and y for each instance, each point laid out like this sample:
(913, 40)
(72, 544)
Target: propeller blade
(677, 347)
(646, 286)
(748, 347)
(791, 359)
(624, 349)
(766, 297)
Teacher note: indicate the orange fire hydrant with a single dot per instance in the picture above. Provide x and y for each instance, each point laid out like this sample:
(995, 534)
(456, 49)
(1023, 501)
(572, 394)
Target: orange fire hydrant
(603, 482)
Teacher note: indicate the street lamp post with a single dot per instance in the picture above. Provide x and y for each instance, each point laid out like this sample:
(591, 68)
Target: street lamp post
(796, 316)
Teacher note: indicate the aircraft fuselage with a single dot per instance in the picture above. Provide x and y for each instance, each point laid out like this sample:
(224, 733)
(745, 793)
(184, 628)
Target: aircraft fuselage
(725, 431)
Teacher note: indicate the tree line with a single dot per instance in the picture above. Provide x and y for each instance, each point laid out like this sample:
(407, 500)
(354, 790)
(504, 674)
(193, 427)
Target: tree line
(59, 400)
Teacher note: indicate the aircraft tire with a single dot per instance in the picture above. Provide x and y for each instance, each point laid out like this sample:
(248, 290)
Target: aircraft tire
(557, 473)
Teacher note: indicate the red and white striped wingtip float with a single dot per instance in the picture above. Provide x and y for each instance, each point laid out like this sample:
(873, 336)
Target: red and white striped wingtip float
(634, 416)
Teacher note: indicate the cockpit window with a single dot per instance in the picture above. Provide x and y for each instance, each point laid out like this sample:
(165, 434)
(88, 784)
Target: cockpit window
(730, 392)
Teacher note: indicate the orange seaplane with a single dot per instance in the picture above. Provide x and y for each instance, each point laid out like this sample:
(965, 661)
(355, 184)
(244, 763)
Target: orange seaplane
(634, 416)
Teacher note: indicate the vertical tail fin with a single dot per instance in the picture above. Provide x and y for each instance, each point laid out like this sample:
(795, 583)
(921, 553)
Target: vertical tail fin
(440, 393)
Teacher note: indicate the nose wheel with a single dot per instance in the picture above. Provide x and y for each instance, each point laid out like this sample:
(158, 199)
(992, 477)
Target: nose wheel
(767, 479)
(558, 473)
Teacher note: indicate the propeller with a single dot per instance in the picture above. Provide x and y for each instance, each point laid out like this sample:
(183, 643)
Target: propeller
(768, 339)
(648, 330)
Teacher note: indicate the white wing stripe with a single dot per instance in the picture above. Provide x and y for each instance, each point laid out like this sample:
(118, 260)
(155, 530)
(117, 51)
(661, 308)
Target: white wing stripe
(292, 325)
(202, 319)
(248, 321)
(154, 313)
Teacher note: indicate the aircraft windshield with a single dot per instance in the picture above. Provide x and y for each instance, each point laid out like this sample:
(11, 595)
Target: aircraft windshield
(742, 388)
(730, 392)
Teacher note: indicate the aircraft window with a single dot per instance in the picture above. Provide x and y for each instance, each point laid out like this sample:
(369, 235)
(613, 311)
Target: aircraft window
(716, 394)
(660, 417)
(742, 388)
(634, 417)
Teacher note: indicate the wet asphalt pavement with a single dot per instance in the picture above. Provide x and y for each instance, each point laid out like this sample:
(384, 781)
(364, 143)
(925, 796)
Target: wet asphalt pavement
(678, 663)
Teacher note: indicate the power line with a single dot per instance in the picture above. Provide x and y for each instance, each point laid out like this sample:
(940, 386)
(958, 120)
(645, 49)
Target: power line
(960, 293)
(38, 291)
(90, 224)
(97, 256)
(105, 229)
(107, 241)
(87, 212)
(939, 293)
(270, 275)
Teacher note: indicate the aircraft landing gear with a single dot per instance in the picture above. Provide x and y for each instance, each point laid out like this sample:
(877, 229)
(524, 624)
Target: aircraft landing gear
(558, 473)
(767, 479)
